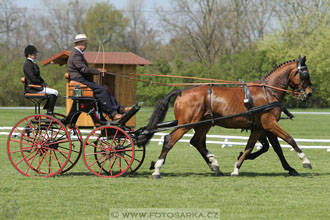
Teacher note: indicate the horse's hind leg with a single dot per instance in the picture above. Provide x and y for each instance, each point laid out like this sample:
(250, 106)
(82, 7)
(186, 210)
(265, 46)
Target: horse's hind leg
(265, 146)
(199, 142)
(254, 136)
(278, 150)
(169, 142)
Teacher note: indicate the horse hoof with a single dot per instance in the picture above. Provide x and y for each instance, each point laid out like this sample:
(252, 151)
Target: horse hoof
(219, 173)
(216, 170)
(234, 174)
(155, 177)
(293, 173)
(307, 165)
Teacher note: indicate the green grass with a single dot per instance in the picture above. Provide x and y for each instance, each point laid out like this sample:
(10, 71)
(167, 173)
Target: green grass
(262, 191)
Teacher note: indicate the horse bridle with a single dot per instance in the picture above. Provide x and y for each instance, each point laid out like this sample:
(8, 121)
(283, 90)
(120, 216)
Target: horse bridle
(303, 75)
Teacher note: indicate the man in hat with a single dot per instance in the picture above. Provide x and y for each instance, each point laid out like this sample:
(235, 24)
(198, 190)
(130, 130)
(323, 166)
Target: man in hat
(79, 71)
(32, 77)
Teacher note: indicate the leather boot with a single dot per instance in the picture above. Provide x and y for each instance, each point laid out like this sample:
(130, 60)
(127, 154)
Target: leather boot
(51, 104)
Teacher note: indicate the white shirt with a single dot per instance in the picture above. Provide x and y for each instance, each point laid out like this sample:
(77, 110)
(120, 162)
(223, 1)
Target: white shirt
(29, 58)
(79, 50)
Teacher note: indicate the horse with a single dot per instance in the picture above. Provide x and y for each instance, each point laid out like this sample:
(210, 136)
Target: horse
(195, 107)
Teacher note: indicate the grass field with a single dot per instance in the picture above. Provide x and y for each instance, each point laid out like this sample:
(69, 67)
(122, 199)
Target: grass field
(262, 191)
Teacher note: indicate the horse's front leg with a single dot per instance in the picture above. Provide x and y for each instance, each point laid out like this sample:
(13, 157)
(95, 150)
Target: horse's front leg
(278, 131)
(254, 136)
(278, 150)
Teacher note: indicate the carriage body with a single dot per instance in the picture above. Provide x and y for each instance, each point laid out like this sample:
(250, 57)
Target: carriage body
(121, 63)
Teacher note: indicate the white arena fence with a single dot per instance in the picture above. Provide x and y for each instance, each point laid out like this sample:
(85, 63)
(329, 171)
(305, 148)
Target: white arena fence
(221, 140)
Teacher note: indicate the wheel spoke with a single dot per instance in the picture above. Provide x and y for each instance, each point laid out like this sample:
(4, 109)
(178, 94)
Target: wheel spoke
(117, 155)
(98, 137)
(46, 132)
(96, 161)
(117, 163)
(101, 168)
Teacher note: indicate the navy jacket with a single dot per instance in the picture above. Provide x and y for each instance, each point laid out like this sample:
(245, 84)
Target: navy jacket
(32, 76)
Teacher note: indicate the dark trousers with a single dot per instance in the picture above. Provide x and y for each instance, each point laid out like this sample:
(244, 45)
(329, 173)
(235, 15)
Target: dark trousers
(107, 102)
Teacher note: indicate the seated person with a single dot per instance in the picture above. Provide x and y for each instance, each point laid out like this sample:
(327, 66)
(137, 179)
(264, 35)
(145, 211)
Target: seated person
(32, 76)
(80, 72)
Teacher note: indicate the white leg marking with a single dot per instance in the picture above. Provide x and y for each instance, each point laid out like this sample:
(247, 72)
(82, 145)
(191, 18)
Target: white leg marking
(158, 165)
(235, 172)
(213, 161)
(306, 163)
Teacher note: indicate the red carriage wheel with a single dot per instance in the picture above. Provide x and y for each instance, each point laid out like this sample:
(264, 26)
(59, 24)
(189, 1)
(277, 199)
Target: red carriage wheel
(108, 151)
(139, 154)
(76, 145)
(39, 145)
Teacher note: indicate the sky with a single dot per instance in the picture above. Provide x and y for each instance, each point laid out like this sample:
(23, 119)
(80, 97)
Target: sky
(148, 6)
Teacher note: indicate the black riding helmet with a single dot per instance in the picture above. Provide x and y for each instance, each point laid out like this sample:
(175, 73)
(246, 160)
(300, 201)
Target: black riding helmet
(30, 49)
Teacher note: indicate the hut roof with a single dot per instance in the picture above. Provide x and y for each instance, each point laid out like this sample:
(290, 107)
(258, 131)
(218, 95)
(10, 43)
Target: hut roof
(92, 57)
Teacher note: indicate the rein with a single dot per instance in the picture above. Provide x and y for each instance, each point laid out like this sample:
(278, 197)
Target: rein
(214, 82)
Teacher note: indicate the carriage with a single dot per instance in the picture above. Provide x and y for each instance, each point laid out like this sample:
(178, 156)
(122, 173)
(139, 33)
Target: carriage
(44, 145)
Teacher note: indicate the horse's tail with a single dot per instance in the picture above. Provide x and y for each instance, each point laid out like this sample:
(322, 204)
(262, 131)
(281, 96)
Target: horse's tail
(157, 117)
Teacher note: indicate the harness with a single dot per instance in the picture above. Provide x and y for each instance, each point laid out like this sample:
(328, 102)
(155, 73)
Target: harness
(284, 109)
(210, 104)
(252, 110)
(248, 102)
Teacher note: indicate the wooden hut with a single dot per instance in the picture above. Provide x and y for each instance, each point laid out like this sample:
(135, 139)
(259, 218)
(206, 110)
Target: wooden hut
(123, 89)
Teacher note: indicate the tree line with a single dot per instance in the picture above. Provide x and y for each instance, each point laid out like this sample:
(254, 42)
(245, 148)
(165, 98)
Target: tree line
(221, 39)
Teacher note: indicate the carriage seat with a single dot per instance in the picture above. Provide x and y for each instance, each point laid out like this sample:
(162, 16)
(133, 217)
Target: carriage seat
(33, 95)
(86, 91)
(36, 98)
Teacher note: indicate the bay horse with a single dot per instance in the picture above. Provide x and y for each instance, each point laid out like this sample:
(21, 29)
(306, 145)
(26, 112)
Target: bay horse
(198, 104)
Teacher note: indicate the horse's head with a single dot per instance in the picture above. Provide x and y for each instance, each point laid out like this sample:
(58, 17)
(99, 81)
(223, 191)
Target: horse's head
(300, 81)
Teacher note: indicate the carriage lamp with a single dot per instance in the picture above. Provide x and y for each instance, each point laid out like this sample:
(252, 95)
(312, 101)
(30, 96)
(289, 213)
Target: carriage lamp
(77, 92)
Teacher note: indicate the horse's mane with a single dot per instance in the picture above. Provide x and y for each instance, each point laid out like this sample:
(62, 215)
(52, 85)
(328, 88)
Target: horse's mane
(270, 72)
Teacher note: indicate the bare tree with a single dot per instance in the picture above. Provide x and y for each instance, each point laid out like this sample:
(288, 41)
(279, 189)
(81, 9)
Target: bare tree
(212, 28)
(141, 36)
(300, 17)
(246, 21)
(197, 22)
(260, 13)
(134, 13)
(62, 22)
(9, 22)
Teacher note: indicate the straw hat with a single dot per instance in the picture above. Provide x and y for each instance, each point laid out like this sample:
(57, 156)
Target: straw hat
(80, 37)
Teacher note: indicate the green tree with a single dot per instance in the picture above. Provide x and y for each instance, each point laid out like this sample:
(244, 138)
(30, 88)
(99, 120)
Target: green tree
(106, 24)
